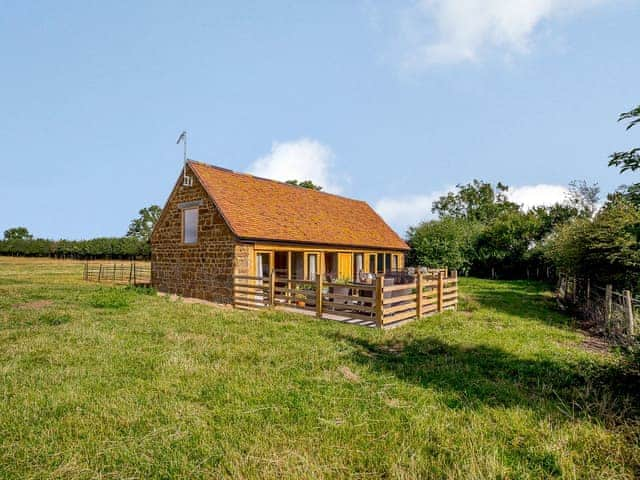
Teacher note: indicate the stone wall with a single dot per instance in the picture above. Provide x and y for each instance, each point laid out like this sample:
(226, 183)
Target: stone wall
(243, 256)
(204, 269)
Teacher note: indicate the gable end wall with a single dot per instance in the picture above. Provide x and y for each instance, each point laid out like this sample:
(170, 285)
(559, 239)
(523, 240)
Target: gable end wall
(203, 270)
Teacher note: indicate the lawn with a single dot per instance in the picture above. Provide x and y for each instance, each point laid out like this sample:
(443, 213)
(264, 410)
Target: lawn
(101, 382)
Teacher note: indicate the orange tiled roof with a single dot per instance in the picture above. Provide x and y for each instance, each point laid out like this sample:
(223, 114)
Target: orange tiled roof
(261, 209)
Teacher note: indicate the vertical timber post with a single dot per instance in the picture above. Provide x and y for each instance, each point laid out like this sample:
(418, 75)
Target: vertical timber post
(379, 301)
(319, 295)
(272, 288)
(608, 299)
(628, 312)
(588, 294)
(85, 275)
(419, 288)
(440, 291)
(289, 265)
(100, 273)
(454, 275)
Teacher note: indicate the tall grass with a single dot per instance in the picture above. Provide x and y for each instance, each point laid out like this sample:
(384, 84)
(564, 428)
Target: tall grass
(115, 383)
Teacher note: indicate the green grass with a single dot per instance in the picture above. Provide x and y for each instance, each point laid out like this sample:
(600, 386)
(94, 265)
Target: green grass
(116, 383)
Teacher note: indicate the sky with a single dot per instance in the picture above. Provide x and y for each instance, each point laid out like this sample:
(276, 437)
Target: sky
(392, 102)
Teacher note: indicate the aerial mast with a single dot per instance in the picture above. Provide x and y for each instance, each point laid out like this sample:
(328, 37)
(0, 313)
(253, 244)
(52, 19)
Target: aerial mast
(186, 179)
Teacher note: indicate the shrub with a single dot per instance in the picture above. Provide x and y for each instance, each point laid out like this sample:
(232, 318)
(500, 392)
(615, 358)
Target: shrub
(447, 242)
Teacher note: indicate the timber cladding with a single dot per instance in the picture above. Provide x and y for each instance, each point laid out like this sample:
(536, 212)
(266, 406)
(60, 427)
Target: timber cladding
(203, 269)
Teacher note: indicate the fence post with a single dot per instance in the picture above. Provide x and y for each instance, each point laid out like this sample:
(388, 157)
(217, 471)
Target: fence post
(588, 293)
(628, 312)
(419, 288)
(85, 275)
(318, 295)
(440, 291)
(272, 288)
(379, 301)
(454, 275)
(289, 268)
(100, 273)
(608, 299)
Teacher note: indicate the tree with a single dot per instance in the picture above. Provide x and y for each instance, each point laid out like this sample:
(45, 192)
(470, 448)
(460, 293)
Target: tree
(142, 226)
(304, 184)
(629, 160)
(447, 242)
(549, 218)
(583, 197)
(504, 243)
(606, 248)
(17, 233)
(477, 201)
(630, 193)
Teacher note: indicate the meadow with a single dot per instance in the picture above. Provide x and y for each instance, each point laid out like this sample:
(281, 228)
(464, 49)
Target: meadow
(114, 382)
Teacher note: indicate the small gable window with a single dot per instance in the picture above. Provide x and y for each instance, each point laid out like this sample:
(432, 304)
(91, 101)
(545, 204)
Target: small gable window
(190, 225)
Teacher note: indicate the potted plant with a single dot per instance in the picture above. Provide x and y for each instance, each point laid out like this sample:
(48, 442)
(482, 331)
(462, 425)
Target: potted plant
(300, 299)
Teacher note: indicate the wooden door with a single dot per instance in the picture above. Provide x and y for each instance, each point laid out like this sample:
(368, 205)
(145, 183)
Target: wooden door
(345, 266)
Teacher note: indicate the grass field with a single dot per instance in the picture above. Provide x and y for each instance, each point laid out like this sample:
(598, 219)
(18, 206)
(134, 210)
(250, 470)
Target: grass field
(100, 382)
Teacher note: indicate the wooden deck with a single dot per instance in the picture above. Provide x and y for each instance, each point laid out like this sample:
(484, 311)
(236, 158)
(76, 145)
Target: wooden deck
(384, 304)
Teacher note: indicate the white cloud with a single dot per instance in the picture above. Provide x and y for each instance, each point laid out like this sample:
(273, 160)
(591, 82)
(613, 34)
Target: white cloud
(537, 195)
(302, 159)
(404, 211)
(455, 31)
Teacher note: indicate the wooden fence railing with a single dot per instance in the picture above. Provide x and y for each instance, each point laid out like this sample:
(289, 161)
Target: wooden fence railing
(252, 292)
(382, 303)
(124, 273)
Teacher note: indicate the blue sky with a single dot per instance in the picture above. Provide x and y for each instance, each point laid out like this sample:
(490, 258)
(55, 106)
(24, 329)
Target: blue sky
(390, 102)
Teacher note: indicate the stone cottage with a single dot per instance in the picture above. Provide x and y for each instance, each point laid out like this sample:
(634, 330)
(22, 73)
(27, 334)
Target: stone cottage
(218, 223)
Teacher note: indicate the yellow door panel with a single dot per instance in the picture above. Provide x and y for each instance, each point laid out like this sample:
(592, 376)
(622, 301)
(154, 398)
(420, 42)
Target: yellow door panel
(345, 266)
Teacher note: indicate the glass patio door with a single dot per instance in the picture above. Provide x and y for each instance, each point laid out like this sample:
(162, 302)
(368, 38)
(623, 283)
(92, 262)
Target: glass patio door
(263, 264)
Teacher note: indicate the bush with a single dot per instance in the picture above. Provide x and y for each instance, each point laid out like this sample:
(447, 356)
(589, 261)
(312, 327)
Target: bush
(606, 248)
(448, 242)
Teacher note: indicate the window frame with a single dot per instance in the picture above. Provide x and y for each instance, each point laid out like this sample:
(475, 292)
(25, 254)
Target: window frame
(184, 225)
(373, 263)
(307, 273)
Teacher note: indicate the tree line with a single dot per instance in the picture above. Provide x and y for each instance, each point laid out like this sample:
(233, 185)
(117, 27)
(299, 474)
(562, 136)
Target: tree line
(18, 241)
(480, 232)
(107, 247)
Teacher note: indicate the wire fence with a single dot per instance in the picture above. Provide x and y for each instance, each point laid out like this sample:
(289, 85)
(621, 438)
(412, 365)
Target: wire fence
(123, 273)
(611, 313)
